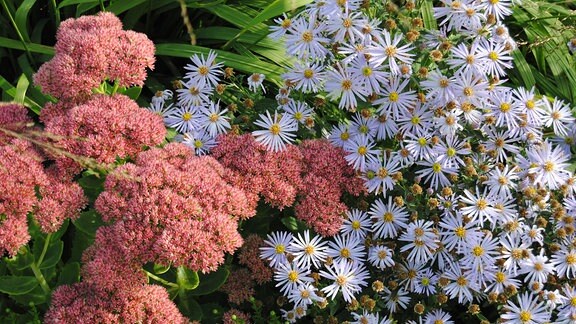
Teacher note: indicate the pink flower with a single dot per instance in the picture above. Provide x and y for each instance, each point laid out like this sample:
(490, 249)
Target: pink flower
(234, 316)
(13, 117)
(88, 303)
(249, 256)
(181, 201)
(91, 50)
(105, 128)
(239, 286)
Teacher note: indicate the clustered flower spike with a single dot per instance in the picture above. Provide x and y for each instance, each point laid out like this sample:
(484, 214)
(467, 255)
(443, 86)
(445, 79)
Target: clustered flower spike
(91, 50)
(103, 128)
(26, 187)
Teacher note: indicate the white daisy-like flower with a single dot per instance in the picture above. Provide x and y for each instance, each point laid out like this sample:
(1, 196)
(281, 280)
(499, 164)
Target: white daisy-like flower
(201, 142)
(564, 260)
(357, 224)
(290, 276)
(422, 241)
(379, 174)
(214, 120)
(340, 135)
(307, 76)
(380, 256)
(462, 285)
(361, 150)
(276, 247)
(184, 119)
(193, 93)
(537, 268)
(308, 250)
(204, 71)
(438, 316)
(255, 81)
(455, 232)
(304, 38)
(559, 116)
(346, 248)
(340, 84)
(527, 311)
(386, 48)
(304, 295)
(348, 278)
(277, 131)
(388, 218)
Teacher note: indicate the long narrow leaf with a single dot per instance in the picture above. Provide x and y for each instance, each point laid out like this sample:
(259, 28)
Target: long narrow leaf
(36, 48)
(21, 88)
(235, 61)
(11, 91)
(66, 3)
(119, 7)
(21, 18)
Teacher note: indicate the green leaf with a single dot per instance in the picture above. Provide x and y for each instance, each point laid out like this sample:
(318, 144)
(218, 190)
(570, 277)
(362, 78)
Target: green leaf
(70, 274)
(428, 14)
(189, 307)
(210, 282)
(21, 18)
(17, 285)
(88, 222)
(66, 3)
(20, 261)
(290, 223)
(53, 254)
(36, 296)
(133, 92)
(32, 47)
(186, 278)
(93, 185)
(119, 7)
(21, 88)
(160, 269)
(11, 92)
(235, 61)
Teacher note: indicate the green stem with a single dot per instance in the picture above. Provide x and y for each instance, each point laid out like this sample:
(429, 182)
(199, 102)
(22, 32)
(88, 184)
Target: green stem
(40, 277)
(115, 89)
(102, 8)
(24, 43)
(35, 266)
(163, 281)
(56, 13)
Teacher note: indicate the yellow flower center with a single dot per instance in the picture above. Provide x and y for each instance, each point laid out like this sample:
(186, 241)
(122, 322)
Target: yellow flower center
(493, 56)
(344, 136)
(468, 91)
(505, 107)
(418, 231)
(425, 281)
(307, 36)
(571, 259)
(341, 280)
(382, 254)
(443, 82)
(525, 316)
(470, 59)
(382, 173)
(309, 249)
(415, 120)
(388, 217)
(198, 144)
(194, 91)
(275, 129)
(548, 166)
(450, 120)
(187, 116)
(461, 281)
(390, 50)
(280, 248)
(422, 141)
(308, 73)
(356, 225)
(460, 231)
(573, 301)
(345, 253)
(478, 251)
(286, 23)
(346, 85)
(347, 23)
(451, 152)
(305, 294)
(530, 104)
(436, 167)
(292, 275)
(214, 117)
(362, 150)
(366, 71)
(500, 277)
(393, 96)
(203, 70)
(481, 204)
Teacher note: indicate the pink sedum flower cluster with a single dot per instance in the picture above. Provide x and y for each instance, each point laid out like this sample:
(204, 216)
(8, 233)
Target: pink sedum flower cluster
(103, 128)
(181, 202)
(273, 175)
(326, 177)
(27, 187)
(88, 303)
(314, 175)
(90, 50)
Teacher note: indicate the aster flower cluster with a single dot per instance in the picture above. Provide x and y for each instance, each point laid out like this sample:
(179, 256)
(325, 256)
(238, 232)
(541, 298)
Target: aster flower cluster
(194, 113)
(471, 201)
(27, 187)
(91, 50)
